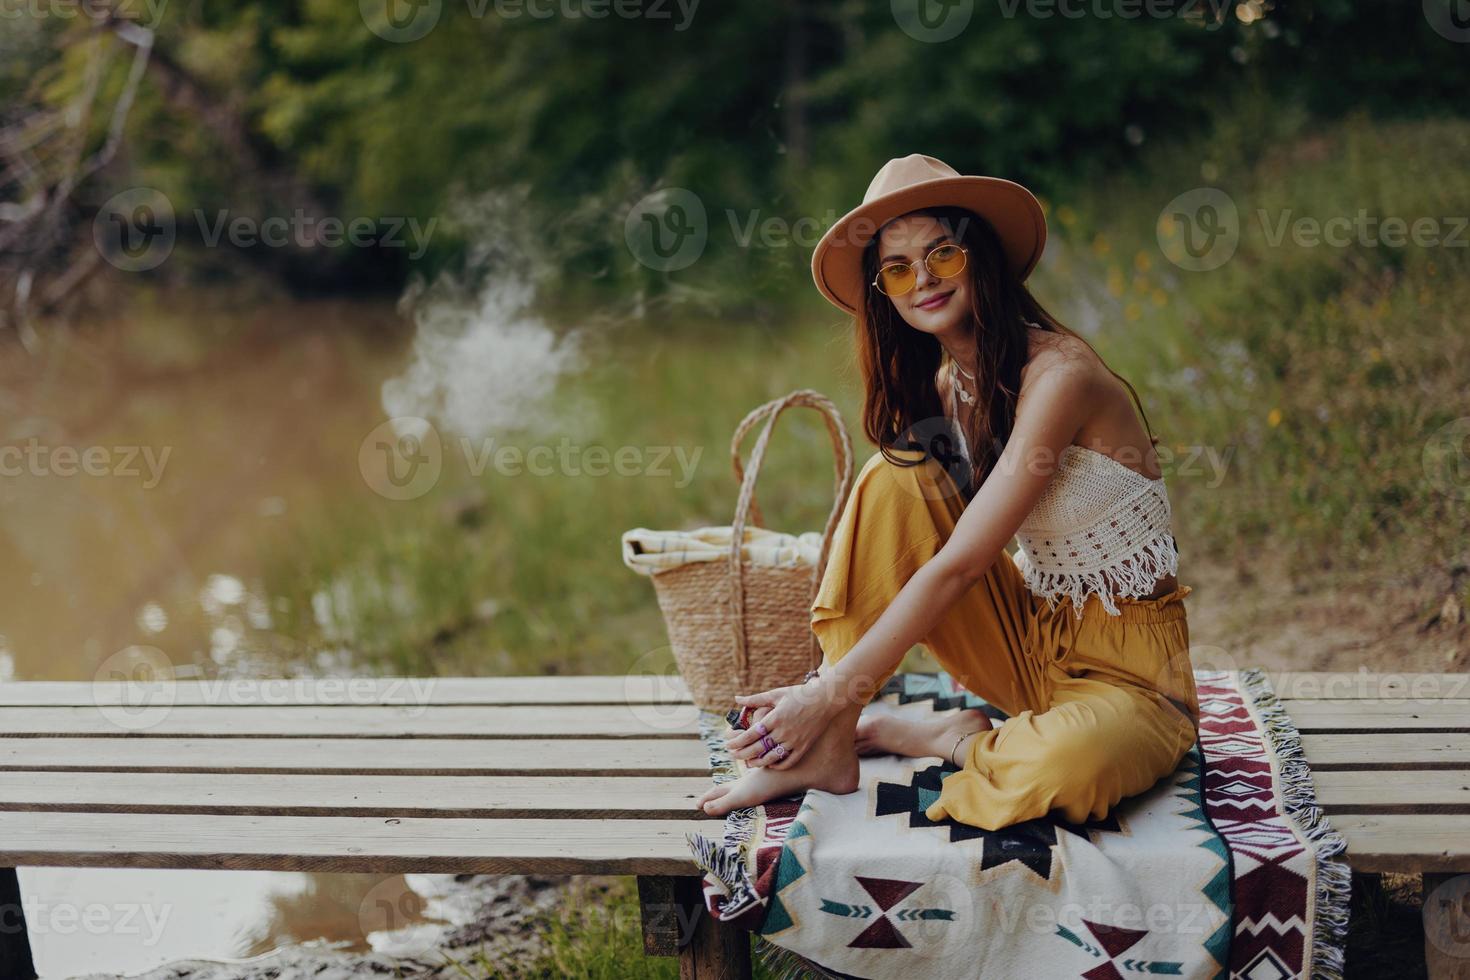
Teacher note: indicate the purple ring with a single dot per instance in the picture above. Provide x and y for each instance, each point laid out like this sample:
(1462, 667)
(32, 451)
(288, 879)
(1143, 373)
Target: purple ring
(767, 743)
(782, 750)
(761, 728)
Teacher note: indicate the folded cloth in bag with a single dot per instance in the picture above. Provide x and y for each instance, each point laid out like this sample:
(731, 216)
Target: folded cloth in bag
(647, 551)
(1225, 867)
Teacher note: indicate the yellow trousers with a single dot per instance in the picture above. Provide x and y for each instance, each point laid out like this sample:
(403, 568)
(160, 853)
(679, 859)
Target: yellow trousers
(1099, 708)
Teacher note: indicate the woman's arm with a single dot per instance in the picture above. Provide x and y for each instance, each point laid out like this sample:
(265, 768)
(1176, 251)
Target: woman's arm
(1053, 406)
(1048, 417)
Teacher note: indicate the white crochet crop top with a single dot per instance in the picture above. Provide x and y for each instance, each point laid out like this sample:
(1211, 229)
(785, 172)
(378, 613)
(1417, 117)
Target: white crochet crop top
(1100, 526)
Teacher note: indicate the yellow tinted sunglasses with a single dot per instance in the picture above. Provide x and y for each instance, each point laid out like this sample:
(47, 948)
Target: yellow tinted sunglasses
(945, 262)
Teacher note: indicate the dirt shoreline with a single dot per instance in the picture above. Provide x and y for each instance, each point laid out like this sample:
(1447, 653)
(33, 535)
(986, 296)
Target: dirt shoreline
(502, 931)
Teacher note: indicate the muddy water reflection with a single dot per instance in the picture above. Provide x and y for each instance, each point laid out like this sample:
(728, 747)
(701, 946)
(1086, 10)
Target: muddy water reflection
(149, 464)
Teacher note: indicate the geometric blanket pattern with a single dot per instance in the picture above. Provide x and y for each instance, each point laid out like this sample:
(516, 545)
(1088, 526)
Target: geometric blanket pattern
(1224, 868)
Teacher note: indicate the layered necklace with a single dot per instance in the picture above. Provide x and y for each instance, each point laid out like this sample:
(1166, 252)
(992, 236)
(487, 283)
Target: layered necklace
(965, 395)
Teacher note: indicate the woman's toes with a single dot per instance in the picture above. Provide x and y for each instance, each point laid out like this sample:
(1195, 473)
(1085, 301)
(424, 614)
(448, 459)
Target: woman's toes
(712, 794)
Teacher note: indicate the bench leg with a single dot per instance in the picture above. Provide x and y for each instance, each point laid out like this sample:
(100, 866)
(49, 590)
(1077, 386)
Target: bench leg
(15, 945)
(1446, 926)
(676, 923)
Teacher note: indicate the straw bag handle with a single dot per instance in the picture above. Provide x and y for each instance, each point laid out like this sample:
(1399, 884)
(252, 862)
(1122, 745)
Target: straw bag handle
(746, 507)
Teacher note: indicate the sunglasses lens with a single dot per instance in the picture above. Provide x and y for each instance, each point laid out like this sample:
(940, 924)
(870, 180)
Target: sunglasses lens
(895, 280)
(946, 261)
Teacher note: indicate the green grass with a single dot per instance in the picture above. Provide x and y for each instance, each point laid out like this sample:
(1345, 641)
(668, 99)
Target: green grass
(1317, 375)
(1326, 369)
(523, 573)
(596, 935)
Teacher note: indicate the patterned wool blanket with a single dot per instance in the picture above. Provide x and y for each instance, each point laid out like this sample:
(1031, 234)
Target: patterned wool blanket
(1224, 868)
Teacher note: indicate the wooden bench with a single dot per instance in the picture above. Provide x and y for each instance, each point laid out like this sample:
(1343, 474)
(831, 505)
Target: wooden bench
(563, 775)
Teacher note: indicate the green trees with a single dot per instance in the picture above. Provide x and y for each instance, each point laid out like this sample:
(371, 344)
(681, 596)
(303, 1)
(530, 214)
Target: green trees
(763, 110)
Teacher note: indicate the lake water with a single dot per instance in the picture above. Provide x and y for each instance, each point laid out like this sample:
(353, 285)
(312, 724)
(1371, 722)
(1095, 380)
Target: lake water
(153, 461)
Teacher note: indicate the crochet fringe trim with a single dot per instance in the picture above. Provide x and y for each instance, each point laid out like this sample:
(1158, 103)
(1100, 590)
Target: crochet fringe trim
(1334, 876)
(727, 860)
(1132, 576)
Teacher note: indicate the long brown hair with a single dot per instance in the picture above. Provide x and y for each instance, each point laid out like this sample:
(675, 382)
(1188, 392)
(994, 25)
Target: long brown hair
(903, 407)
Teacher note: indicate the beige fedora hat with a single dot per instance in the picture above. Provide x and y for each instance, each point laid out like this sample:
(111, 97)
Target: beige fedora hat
(916, 181)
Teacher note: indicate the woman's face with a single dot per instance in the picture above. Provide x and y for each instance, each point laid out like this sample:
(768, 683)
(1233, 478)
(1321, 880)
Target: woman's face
(935, 306)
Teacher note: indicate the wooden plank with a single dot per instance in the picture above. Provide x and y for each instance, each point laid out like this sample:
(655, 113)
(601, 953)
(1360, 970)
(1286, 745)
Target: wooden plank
(350, 844)
(1363, 715)
(416, 756)
(608, 797)
(1389, 750)
(1401, 791)
(1310, 685)
(354, 721)
(1405, 842)
(265, 692)
(590, 689)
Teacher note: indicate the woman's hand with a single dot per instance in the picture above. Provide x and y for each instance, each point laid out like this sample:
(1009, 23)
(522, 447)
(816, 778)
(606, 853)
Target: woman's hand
(795, 716)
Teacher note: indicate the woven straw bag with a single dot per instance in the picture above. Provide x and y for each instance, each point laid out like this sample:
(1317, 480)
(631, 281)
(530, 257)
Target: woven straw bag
(737, 626)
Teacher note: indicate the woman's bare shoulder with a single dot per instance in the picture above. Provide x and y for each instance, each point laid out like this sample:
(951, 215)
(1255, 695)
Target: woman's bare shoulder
(1053, 350)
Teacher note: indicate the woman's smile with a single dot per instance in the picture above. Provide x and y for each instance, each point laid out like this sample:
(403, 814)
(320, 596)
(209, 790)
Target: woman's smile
(934, 302)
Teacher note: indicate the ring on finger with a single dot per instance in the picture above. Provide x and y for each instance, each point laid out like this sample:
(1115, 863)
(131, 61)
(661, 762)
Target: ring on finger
(761, 729)
(768, 743)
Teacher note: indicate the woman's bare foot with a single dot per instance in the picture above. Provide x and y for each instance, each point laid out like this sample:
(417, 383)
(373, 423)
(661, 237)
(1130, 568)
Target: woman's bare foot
(915, 738)
(831, 764)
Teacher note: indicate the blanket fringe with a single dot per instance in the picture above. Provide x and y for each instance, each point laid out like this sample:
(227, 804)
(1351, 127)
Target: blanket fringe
(727, 861)
(785, 964)
(1334, 876)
